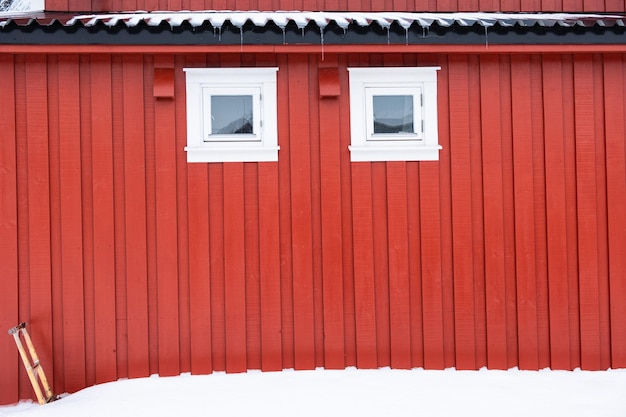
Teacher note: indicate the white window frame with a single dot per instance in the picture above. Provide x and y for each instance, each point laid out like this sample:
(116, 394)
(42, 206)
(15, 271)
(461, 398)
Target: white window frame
(208, 92)
(261, 145)
(421, 145)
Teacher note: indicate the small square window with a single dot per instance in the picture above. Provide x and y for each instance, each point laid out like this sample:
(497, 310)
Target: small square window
(393, 114)
(231, 115)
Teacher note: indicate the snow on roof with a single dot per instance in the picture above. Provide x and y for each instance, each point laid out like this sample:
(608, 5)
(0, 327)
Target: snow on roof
(217, 18)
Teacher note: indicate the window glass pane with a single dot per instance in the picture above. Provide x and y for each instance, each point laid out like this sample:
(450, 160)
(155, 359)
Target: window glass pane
(231, 115)
(393, 114)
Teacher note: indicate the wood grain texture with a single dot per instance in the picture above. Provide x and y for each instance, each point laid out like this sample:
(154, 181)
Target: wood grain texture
(71, 223)
(8, 231)
(103, 221)
(587, 215)
(556, 206)
(166, 239)
(234, 268)
(301, 237)
(135, 216)
(331, 221)
(524, 212)
(495, 286)
(461, 188)
(616, 201)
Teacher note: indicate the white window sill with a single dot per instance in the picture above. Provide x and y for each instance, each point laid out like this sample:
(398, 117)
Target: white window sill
(380, 153)
(232, 154)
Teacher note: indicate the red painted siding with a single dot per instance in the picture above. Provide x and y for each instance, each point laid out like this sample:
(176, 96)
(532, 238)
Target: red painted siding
(9, 299)
(128, 261)
(330, 5)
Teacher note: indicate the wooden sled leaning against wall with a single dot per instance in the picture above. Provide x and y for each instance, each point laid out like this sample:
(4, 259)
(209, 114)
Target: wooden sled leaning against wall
(31, 362)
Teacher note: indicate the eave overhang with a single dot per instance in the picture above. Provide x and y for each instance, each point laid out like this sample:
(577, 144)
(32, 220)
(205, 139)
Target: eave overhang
(279, 29)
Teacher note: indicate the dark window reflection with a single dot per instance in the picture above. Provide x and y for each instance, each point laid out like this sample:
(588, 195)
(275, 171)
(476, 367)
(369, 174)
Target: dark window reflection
(393, 114)
(231, 115)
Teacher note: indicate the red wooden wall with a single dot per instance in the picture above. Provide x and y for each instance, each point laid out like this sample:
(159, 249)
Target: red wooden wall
(353, 5)
(127, 261)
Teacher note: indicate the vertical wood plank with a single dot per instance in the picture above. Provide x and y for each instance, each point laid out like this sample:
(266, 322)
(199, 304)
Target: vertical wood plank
(364, 278)
(174, 5)
(199, 271)
(103, 218)
(569, 139)
(478, 227)
(316, 209)
(364, 287)
(56, 284)
(40, 279)
(234, 268)
(416, 318)
(121, 309)
(524, 213)
(381, 262)
(71, 224)
(587, 213)
(399, 287)
(216, 262)
(447, 5)
(301, 214)
(462, 215)
(495, 289)
(184, 278)
(572, 5)
(489, 5)
(444, 219)
(611, 6)
(556, 206)
(8, 231)
(399, 6)
(551, 5)
(167, 238)
(432, 286)
(84, 68)
(331, 223)
(530, 5)
(508, 197)
(614, 87)
(539, 201)
(510, 5)
(23, 266)
(135, 216)
(252, 265)
(602, 213)
(269, 253)
(269, 246)
(346, 213)
(199, 252)
(57, 5)
(151, 214)
(284, 176)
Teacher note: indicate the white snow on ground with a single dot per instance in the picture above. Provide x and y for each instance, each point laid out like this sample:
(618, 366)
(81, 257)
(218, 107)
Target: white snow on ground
(351, 392)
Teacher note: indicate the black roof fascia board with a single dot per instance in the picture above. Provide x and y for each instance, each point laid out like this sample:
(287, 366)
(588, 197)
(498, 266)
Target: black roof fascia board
(185, 34)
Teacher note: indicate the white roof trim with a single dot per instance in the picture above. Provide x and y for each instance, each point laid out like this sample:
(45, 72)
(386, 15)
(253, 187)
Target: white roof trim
(344, 19)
